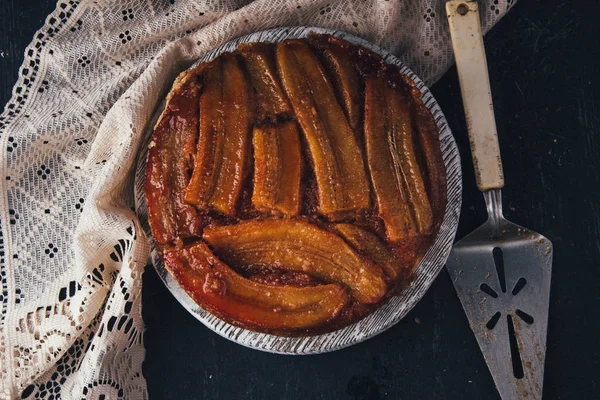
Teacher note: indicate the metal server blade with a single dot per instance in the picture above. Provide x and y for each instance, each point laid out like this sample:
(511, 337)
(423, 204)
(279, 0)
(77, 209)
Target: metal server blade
(501, 271)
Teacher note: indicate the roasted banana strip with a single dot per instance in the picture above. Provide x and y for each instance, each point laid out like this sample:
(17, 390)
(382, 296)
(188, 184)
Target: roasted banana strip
(216, 182)
(271, 102)
(337, 58)
(295, 245)
(370, 245)
(277, 168)
(395, 174)
(217, 287)
(170, 163)
(429, 140)
(336, 157)
(401, 124)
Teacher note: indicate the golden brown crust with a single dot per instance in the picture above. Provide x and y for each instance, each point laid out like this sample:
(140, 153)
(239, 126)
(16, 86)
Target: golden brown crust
(311, 169)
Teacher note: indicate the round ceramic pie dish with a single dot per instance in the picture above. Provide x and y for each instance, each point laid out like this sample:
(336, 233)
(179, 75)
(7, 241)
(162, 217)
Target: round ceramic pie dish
(396, 306)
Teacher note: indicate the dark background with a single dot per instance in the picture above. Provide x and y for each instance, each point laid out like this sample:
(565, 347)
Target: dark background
(544, 61)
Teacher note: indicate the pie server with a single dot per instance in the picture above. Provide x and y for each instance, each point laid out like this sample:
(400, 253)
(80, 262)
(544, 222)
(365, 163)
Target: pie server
(501, 271)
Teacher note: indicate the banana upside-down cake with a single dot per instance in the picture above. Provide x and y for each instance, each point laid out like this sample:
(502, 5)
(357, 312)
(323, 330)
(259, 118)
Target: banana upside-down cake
(293, 187)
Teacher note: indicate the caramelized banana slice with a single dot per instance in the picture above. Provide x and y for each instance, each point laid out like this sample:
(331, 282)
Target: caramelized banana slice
(277, 168)
(215, 286)
(337, 57)
(369, 244)
(429, 141)
(268, 94)
(401, 126)
(336, 157)
(170, 163)
(384, 166)
(210, 140)
(395, 174)
(295, 245)
(223, 142)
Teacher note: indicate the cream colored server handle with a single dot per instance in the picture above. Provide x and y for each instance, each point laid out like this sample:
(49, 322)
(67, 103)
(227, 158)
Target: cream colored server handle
(467, 41)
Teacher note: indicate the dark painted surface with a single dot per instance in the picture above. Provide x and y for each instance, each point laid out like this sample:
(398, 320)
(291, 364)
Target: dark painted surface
(544, 62)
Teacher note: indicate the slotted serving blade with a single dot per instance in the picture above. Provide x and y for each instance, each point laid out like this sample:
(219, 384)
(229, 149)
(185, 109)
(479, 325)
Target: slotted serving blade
(501, 271)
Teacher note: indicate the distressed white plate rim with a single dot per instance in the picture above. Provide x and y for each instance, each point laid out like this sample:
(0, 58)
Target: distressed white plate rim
(398, 306)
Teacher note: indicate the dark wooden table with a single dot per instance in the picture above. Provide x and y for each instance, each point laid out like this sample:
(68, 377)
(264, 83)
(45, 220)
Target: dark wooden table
(544, 63)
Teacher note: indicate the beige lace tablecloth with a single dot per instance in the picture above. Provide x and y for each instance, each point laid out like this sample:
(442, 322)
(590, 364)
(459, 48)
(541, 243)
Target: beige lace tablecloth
(71, 251)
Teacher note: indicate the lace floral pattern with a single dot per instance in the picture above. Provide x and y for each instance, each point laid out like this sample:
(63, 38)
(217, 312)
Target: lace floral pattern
(71, 249)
